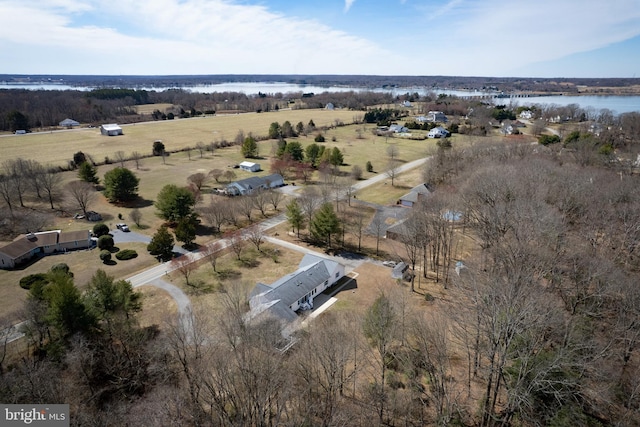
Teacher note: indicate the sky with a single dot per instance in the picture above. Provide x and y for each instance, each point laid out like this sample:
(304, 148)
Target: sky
(492, 38)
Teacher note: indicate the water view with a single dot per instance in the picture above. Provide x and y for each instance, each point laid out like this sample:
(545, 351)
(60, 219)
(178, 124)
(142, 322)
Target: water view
(617, 104)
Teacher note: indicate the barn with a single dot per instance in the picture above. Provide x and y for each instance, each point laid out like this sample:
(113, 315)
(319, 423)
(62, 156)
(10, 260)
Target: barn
(111, 130)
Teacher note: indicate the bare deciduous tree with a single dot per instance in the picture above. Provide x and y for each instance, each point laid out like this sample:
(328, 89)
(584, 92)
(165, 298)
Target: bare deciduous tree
(198, 179)
(120, 157)
(255, 234)
(82, 194)
(136, 216)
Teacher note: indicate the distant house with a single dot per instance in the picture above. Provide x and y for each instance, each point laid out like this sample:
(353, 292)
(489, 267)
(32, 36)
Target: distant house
(526, 114)
(399, 272)
(329, 106)
(296, 291)
(248, 185)
(68, 123)
(437, 117)
(26, 247)
(250, 166)
(416, 193)
(438, 132)
(398, 128)
(111, 130)
(406, 104)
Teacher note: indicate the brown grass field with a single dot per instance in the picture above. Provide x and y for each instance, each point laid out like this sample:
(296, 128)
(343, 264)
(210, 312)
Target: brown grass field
(57, 148)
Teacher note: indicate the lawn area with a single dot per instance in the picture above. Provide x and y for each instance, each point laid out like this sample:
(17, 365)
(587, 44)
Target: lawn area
(82, 263)
(266, 266)
(57, 148)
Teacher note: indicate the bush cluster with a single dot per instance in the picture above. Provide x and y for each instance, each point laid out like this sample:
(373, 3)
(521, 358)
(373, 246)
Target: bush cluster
(126, 254)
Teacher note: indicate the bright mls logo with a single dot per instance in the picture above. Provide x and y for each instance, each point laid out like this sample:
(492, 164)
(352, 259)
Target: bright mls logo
(36, 415)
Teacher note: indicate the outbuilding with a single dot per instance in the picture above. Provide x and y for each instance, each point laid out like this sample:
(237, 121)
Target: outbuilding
(250, 166)
(111, 130)
(438, 132)
(68, 123)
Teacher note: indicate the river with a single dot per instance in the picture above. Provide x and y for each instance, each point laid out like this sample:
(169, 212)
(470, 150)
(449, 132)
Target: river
(617, 104)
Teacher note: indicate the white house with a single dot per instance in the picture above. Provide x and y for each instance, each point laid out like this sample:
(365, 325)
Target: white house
(68, 123)
(438, 132)
(111, 130)
(526, 114)
(248, 185)
(26, 247)
(329, 106)
(250, 166)
(296, 291)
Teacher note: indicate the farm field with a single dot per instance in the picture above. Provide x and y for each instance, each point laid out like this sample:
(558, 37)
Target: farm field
(57, 148)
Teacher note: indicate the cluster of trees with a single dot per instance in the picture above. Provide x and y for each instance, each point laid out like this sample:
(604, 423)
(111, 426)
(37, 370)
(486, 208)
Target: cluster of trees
(383, 117)
(83, 347)
(292, 159)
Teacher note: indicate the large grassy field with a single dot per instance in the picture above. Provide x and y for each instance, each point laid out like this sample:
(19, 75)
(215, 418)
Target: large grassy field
(57, 148)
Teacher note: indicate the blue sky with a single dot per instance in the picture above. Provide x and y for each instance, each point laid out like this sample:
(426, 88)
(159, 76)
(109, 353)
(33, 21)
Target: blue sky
(542, 38)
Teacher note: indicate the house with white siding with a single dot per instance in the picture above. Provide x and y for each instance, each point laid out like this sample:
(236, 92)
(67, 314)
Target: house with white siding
(30, 245)
(248, 185)
(295, 292)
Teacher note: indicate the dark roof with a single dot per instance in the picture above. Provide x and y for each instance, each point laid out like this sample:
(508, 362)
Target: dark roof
(28, 242)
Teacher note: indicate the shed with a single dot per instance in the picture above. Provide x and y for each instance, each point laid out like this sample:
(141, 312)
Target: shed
(250, 166)
(111, 130)
(399, 271)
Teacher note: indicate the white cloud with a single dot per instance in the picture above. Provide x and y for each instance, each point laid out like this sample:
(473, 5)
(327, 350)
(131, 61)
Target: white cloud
(460, 37)
(348, 4)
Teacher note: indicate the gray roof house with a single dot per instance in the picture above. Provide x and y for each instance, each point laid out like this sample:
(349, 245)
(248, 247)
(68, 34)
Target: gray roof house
(294, 292)
(248, 185)
(438, 132)
(68, 123)
(412, 197)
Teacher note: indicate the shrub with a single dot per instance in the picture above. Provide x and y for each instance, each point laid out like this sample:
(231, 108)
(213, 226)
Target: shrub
(548, 139)
(105, 242)
(62, 268)
(27, 281)
(319, 138)
(100, 229)
(126, 254)
(369, 167)
(105, 256)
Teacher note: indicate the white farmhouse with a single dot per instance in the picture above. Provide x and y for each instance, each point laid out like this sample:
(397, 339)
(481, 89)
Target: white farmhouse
(438, 132)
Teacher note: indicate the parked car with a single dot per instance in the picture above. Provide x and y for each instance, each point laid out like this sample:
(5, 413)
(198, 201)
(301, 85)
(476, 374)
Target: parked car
(389, 263)
(123, 227)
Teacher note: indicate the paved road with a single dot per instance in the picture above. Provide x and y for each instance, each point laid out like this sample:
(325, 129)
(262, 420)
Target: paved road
(382, 176)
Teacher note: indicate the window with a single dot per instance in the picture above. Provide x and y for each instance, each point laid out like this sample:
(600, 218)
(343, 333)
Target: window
(337, 274)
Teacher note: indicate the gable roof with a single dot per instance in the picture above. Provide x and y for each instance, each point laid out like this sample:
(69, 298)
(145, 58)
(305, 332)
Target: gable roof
(73, 236)
(416, 192)
(69, 122)
(276, 299)
(29, 242)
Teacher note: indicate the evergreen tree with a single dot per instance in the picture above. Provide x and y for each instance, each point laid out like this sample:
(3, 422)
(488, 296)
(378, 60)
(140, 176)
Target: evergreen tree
(275, 131)
(174, 203)
(325, 222)
(250, 147)
(161, 244)
(295, 216)
(186, 230)
(120, 185)
(336, 158)
(88, 173)
(294, 148)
